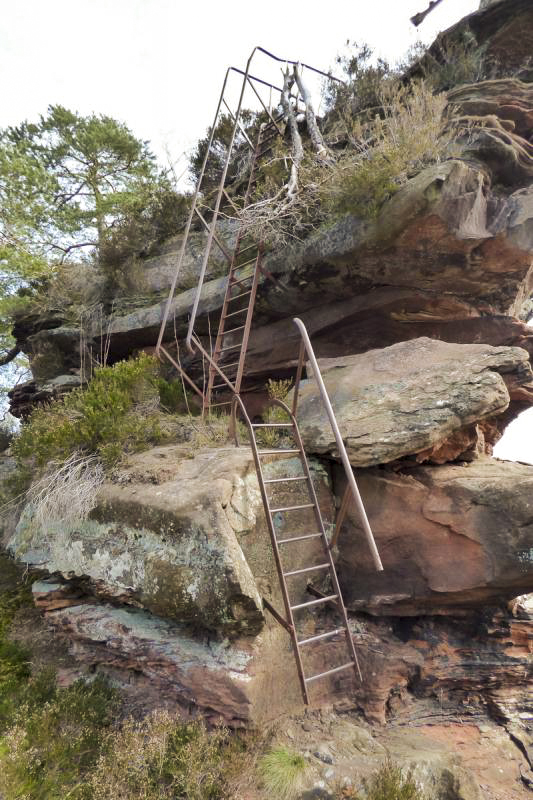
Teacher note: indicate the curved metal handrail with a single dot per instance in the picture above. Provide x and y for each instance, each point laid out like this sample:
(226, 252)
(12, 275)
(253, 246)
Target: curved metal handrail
(308, 348)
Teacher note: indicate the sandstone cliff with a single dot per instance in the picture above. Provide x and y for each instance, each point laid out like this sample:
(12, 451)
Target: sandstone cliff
(419, 320)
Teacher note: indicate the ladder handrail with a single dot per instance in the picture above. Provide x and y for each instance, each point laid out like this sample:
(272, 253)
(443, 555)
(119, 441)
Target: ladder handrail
(308, 348)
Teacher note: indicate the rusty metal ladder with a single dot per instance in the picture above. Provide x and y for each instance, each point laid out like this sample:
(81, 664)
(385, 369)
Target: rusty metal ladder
(193, 343)
(239, 287)
(282, 545)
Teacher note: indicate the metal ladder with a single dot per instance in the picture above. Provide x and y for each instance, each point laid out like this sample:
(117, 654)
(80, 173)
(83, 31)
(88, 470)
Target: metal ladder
(281, 546)
(258, 86)
(239, 287)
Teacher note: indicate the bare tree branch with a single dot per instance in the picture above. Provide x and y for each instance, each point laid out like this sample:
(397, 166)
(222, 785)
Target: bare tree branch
(9, 356)
(312, 126)
(297, 146)
(417, 19)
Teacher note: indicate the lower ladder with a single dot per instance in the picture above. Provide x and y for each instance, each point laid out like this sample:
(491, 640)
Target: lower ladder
(281, 547)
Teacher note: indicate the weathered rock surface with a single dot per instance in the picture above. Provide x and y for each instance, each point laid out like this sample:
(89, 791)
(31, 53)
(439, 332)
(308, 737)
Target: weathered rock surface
(181, 536)
(451, 538)
(421, 397)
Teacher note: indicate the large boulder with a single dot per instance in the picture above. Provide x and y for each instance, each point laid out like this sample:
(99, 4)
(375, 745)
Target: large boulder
(182, 535)
(421, 397)
(451, 538)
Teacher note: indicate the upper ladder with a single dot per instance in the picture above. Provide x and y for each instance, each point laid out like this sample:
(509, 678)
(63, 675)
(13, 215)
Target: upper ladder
(226, 361)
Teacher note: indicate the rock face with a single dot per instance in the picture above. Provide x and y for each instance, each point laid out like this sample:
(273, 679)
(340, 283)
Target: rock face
(451, 538)
(418, 318)
(423, 398)
(168, 538)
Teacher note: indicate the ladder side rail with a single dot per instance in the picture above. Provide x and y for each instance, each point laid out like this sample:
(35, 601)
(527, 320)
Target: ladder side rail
(272, 532)
(230, 286)
(216, 209)
(190, 218)
(340, 444)
(248, 323)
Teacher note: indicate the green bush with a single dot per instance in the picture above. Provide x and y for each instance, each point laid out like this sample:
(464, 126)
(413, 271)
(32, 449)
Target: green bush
(116, 413)
(55, 739)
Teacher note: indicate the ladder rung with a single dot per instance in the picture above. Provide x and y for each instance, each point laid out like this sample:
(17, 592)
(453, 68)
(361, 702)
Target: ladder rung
(315, 602)
(245, 264)
(242, 294)
(231, 347)
(232, 330)
(330, 672)
(248, 247)
(225, 403)
(292, 508)
(224, 367)
(271, 424)
(306, 569)
(234, 313)
(322, 636)
(299, 538)
(241, 280)
(275, 452)
(284, 480)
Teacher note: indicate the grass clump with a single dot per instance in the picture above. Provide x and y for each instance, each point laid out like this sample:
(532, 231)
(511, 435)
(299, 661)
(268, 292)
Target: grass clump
(388, 783)
(282, 772)
(163, 758)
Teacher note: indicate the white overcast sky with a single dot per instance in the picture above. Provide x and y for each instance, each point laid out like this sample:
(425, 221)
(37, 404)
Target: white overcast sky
(158, 65)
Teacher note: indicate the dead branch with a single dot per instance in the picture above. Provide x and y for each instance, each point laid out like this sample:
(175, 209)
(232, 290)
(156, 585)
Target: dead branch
(312, 126)
(297, 146)
(9, 356)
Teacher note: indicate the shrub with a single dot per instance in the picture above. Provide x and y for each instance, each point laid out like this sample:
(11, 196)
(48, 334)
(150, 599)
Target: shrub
(116, 413)
(407, 136)
(453, 62)
(56, 738)
(282, 772)
(163, 758)
(14, 660)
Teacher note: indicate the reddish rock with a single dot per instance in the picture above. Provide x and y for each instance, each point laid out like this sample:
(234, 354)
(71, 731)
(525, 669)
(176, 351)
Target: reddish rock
(452, 538)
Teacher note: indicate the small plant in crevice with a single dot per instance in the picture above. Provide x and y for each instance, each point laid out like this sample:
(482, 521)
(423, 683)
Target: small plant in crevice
(273, 437)
(282, 772)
